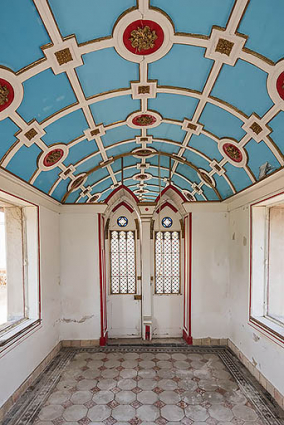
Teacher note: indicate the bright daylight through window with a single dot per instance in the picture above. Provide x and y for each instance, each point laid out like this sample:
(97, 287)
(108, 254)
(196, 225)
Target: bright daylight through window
(19, 283)
(267, 265)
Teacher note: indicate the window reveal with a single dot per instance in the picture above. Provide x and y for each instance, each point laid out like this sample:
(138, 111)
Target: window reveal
(167, 263)
(122, 262)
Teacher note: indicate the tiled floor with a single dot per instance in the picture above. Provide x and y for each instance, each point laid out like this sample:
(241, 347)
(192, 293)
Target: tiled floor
(148, 386)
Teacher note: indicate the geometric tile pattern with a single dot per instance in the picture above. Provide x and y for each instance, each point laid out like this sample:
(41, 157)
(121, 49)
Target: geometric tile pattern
(137, 385)
(184, 86)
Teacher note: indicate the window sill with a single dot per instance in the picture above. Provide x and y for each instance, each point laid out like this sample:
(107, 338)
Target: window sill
(269, 326)
(16, 332)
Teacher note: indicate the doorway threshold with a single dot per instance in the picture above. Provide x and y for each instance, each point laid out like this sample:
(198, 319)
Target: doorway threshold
(155, 342)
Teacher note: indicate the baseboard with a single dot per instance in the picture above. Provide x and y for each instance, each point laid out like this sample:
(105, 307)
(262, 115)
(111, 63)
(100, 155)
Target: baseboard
(277, 396)
(210, 341)
(28, 382)
(80, 343)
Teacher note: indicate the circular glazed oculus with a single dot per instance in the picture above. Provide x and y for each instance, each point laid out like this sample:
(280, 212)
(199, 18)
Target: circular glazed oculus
(53, 157)
(122, 221)
(144, 120)
(167, 222)
(280, 85)
(143, 37)
(6, 94)
(233, 152)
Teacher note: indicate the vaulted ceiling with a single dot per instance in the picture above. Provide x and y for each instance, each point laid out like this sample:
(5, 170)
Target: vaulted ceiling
(187, 92)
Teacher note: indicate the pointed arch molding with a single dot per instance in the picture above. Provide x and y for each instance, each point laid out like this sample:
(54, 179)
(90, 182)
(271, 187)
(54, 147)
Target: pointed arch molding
(164, 205)
(123, 204)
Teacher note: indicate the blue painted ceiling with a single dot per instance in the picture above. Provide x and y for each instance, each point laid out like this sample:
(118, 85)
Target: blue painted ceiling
(202, 101)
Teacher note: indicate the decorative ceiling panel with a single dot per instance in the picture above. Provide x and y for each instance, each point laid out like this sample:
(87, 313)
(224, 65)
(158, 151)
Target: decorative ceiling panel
(188, 90)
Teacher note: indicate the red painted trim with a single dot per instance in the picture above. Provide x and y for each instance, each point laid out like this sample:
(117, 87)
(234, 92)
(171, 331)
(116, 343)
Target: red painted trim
(123, 204)
(101, 275)
(119, 188)
(184, 270)
(187, 279)
(170, 186)
(166, 204)
(270, 334)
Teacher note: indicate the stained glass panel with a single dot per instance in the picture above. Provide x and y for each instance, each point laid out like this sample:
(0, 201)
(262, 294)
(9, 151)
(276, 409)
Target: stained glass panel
(122, 259)
(167, 262)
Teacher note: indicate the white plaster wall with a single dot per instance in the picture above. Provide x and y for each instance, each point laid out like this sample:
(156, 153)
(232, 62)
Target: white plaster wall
(23, 357)
(80, 288)
(210, 275)
(263, 352)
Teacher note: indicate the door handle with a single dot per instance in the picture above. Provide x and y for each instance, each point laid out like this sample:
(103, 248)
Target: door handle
(137, 297)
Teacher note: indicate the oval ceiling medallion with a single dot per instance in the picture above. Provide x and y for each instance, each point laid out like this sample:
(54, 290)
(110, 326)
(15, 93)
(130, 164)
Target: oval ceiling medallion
(232, 152)
(77, 182)
(94, 198)
(11, 93)
(144, 120)
(189, 196)
(144, 152)
(142, 176)
(6, 94)
(147, 39)
(206, 178)
(280, 85)
(53, 157)
(147, 119)
(143, 37)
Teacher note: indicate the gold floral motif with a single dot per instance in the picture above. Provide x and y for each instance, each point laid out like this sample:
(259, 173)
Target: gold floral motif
(143, 38)
(143, 89)
(191, 126)
(206, 178)
(95, 132)
(224, 46)
(53, 157)
(4, 93)
(256, 128)
(31, 134)
(63, 56)
(233, 152)
(144, 120)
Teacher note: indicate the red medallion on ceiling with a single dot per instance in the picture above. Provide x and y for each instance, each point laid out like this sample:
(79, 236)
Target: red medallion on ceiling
(6, 94)
(53, 157)
(144, 120)
(143, 37)
(280, 85)
(233, 152)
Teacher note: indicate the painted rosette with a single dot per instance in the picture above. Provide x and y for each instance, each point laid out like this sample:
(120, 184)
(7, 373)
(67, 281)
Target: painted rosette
(275, 84)
(232, 152)
(189, 197)
(53, 157)
(94, 198)
(11, 93)
(142, 176)
(206, 178)
(148, 39)
(75, 184)
(144, 152)
(147, 119)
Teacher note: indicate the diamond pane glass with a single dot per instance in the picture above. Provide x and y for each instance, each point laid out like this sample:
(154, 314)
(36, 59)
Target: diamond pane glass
(167, 262)
(122, 259)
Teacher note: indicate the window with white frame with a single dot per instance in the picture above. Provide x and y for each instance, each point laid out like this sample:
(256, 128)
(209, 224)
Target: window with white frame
(267, 265)
(167, 262)
(122, 262)
(19, 289)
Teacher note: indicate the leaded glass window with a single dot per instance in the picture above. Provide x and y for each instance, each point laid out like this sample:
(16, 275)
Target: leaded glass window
(167, 262)
(122, 262)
